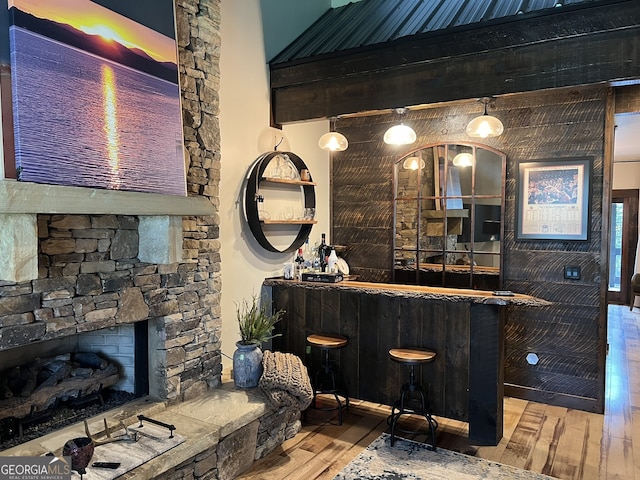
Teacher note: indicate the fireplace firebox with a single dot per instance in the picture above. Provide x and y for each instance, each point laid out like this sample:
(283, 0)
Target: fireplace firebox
(48, 385)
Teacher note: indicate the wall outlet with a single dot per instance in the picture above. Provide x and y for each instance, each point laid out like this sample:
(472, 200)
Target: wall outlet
(572, 272)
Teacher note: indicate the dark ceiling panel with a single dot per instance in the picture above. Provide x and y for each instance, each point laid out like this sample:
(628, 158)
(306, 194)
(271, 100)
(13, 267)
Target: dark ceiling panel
(423, 15)
(374, 22)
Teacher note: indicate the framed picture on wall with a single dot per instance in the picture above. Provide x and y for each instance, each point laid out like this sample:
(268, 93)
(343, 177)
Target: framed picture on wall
(553, 199)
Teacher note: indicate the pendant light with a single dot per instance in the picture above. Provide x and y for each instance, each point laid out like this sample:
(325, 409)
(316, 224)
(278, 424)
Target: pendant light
(400, 134)
(413, 163)
(485, 125)
(464, 159)
(333, 141)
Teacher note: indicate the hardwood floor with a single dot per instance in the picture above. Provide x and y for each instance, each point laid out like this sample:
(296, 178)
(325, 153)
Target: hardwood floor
(559, 442)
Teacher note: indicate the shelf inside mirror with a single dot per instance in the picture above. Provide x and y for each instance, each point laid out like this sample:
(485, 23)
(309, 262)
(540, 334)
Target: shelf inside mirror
(450, 213)
(287, 181)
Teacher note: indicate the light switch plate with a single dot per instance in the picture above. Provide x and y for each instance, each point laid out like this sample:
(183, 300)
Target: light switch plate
(572, 272)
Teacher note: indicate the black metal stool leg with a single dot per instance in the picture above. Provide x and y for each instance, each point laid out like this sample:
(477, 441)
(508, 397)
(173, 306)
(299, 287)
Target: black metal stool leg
(412, 401)
(326, 383)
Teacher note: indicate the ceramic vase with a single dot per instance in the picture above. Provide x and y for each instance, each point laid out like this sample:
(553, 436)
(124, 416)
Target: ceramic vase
(247, 365)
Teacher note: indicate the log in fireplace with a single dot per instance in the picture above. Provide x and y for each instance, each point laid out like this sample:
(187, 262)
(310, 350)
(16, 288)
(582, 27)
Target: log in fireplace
(47, 385)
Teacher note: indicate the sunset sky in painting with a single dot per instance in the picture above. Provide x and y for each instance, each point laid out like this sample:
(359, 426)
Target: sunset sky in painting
(92, 18)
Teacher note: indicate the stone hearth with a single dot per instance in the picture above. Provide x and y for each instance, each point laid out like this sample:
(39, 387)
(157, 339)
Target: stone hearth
(226, 430)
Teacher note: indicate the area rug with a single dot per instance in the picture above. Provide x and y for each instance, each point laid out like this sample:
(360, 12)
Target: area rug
(412, 460)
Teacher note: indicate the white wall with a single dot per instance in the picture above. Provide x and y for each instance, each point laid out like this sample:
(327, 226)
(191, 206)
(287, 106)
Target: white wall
(340, 3)
(284, 20)
(626, 175)
(245, 132)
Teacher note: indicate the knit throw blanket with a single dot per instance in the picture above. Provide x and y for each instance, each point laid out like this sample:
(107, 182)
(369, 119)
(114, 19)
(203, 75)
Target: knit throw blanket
(285, 381)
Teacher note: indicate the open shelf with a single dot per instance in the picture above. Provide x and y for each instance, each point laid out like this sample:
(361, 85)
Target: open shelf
(252, 187)
(289, 222)
(288, 181)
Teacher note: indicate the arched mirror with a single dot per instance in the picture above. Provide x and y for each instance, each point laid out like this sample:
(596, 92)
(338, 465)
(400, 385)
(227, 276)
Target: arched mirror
(448, 204)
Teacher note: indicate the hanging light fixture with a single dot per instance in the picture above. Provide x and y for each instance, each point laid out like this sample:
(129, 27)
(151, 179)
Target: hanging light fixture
(464, 159)
(400, 134)
(413, 163)
(485, 125)
(333, 141)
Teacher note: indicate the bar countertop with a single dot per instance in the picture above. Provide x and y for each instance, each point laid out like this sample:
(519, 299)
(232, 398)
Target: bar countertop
(418, 291)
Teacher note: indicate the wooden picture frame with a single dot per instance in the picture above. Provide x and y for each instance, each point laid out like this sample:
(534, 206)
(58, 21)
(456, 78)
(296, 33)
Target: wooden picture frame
(552, 199)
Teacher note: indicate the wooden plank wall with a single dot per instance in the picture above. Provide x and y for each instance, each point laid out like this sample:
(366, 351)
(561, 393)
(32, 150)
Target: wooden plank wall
(568, 336)
(376, 323)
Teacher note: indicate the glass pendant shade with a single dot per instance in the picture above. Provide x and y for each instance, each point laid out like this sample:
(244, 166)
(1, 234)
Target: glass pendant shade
(464, 159)
(400, 135)
(485, 125)
(333, 142)
(413, 163)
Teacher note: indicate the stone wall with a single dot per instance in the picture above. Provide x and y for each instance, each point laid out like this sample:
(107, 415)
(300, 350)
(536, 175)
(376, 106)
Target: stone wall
(236, 452)
(89, 276)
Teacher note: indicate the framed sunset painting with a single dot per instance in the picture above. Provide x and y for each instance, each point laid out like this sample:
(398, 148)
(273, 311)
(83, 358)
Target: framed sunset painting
(95, 94)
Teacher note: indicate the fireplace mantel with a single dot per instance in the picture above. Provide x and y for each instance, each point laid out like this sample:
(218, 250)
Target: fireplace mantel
(160, 228)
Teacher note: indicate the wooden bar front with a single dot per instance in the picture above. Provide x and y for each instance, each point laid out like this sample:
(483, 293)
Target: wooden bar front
(463, 327)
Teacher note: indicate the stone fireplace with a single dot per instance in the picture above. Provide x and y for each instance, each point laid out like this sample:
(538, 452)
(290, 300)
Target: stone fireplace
(94, 295)
(90, 277)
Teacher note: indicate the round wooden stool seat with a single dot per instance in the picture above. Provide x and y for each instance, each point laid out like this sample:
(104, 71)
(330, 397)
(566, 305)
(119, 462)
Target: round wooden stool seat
(411, 355)
(327, 341)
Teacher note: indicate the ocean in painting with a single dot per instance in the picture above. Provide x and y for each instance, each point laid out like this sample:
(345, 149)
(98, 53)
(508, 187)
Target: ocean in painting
(85, 121)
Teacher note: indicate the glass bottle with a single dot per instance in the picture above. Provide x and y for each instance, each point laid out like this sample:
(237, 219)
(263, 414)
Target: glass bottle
(289, 171)
(316, 257)
(277, 171)
(308, 255)
(299, 264)
(322, 253)
(331, 261)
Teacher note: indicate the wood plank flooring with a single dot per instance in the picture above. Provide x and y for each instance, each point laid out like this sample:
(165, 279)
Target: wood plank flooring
(560, 442)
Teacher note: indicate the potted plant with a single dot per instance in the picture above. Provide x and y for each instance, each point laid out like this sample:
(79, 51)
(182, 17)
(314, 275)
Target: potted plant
(256, 324)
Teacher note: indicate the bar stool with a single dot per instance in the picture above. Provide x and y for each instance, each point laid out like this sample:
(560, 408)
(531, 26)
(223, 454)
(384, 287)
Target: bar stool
(325, 379)
(412, 399)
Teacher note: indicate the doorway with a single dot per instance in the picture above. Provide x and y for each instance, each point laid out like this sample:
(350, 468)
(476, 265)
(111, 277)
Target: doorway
(623, 241)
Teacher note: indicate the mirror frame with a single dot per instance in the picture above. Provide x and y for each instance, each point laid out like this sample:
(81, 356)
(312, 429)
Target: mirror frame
(420, 197)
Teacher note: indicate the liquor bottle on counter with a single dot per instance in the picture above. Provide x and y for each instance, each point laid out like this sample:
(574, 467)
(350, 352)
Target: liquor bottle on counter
(331, 263)
(308, 255)
(323, 254)
(315, 263)
(299, 264)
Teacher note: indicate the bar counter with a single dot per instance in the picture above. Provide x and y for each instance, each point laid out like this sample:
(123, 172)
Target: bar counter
(464, 328)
